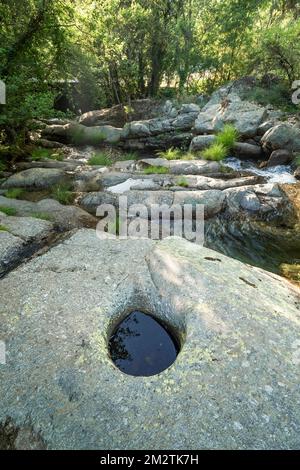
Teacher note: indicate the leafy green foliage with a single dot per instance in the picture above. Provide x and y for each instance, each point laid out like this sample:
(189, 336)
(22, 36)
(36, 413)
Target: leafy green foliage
(8, 210)
(277, 95)
(14, 193)
(100, 53)
(215, 152)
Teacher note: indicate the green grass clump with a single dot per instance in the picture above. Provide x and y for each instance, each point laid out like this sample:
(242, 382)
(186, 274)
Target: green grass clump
(188, 156)
(14, 193)
(3, 228)
(100, 159)
(160, 170)
(228, 136)
(182, 182)
(215, 152)
(8, 210)
(45, 154)
(40, 154)
(170, 154)
(41, 216)
(63, 194)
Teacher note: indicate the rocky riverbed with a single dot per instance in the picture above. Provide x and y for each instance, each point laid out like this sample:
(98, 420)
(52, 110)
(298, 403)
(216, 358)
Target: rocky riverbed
(235, 381)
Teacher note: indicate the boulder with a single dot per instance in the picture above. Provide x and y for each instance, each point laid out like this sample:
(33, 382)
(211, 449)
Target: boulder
(246, 151)
(21, 237)
(182, 167)
(264, 202)
(212, 200)
(201, 142)
(236, 89)
(48, 144)
(81, 135)
(283, 136)
(189, 108)
(159, 141)
(117, 116)
(96, 180)
(65, 165)
(297, 173)
(63, 217)
(245, 116)
(280, 157)
(28, 229)
(89, 202)
(234, 381)
(265, 127)
(185, 122)
(35, 178)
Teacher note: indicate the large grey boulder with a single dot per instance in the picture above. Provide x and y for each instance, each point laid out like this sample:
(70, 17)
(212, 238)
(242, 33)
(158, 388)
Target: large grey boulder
(35, 178)
(63, 217)
(183, 121)
(261, 202)
(181, 167)
(65, 165)
(234, 384)
(213, 200)
(245, 151)
(280, 157)
(283, 136)
(82, 135)
(166, 140)
(21, 237)
(245, 116)
(27, 228)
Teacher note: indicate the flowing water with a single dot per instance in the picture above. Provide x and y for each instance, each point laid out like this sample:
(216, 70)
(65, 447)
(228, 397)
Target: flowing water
(278, 174)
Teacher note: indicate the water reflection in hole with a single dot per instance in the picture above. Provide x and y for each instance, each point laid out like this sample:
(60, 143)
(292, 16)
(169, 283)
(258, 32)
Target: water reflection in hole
(142, 346)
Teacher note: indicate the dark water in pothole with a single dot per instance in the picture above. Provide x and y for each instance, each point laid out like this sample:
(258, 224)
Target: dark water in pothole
(142, 346)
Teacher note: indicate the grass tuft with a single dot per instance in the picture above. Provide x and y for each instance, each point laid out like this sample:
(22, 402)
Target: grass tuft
(41, 216)
(182, 182)
(228, 136)
(170, 154)
(63, 194)
(8, 210)
(3, 228)
(215, 152)
(159, 170)
(14, 193)
(45, 154)
(100, 159)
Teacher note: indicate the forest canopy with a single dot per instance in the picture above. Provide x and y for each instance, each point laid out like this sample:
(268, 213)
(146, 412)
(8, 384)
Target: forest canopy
(113, 51)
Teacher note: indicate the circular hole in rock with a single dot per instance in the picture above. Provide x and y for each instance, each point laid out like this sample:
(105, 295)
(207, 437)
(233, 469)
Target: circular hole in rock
(142, 346)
